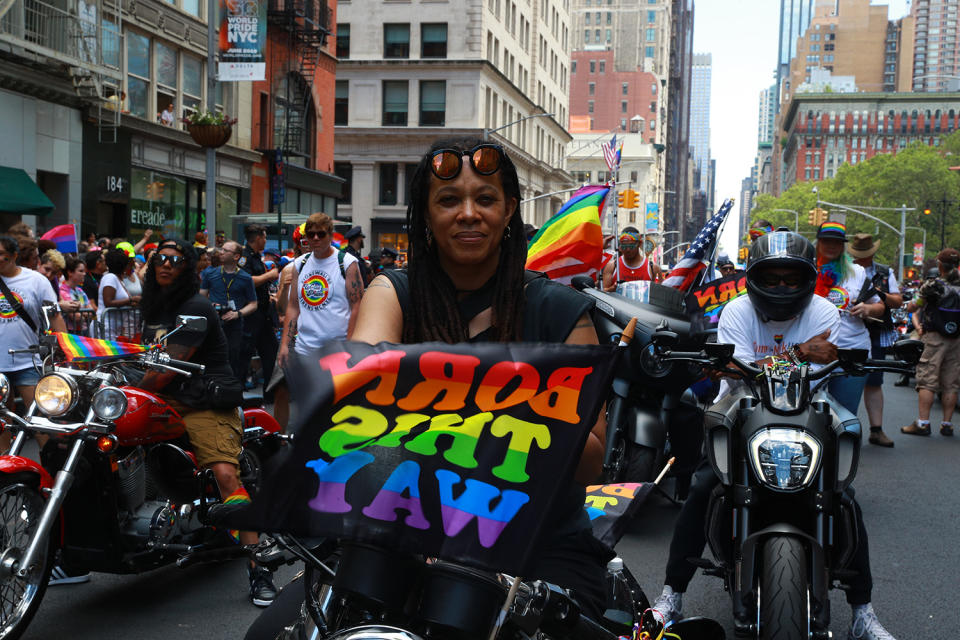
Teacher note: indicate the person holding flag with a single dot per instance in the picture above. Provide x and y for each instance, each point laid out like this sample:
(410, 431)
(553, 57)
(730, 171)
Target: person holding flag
(632, 263)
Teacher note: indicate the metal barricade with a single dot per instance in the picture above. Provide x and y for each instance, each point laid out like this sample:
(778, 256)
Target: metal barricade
(80, 322)
(119, 323)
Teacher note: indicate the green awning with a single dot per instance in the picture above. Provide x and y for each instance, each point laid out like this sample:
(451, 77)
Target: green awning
(20, 194)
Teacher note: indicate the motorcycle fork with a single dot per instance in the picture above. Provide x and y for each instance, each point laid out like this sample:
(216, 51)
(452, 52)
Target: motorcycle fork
(615, 414)
(741, 529)
(57, 495)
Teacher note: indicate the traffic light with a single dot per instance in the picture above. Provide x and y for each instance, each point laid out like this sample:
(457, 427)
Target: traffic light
(622, 199)
(742, 254)
(155, 190)
(632, 197)
(817, 216)
(927, 211)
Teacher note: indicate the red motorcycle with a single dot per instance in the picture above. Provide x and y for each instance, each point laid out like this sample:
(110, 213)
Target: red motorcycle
(127, 495)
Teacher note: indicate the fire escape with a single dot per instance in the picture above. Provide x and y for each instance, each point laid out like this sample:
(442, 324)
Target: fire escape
(305, 24)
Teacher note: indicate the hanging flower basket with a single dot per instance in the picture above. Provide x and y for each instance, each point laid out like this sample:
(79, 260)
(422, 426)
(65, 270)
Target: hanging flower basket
(210, 129)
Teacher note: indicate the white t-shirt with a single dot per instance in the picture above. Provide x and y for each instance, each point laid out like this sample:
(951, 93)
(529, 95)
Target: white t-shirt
(133, 285)
(753, 339)
(853, 332)
(32, 289)
(110, 280)
(322, 295)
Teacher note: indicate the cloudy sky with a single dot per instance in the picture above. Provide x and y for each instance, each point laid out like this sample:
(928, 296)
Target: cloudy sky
(742, 36)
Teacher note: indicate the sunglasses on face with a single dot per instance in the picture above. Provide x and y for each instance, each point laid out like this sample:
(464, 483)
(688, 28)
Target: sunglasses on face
(484, 158)
(320, 235)
(769, 279)
(161, 259)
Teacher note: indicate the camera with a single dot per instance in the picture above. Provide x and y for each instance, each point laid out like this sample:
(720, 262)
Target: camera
(224, 308)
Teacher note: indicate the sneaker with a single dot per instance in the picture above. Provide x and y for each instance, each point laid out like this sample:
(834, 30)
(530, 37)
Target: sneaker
(262, 591)
(879, 438)
(59, 575)
(913, 429)
(667, 607)
(946, 429)
(866, 626)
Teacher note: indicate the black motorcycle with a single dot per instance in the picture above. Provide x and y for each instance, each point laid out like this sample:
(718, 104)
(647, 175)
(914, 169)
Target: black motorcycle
(651, 413)
(782, 523)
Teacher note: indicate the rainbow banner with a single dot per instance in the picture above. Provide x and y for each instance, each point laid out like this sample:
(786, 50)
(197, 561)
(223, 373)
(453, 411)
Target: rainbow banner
(571, 242)
(82, 349)
(65, 235)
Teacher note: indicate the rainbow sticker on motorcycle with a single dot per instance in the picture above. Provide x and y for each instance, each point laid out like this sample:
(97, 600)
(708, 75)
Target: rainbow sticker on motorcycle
(315, 290)
(7, 312)
(839, 297)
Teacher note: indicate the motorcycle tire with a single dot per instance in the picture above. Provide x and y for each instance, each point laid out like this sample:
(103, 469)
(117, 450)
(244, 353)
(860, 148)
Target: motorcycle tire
(640, 464)
(250, 470)
(784, 613)
(20, 502)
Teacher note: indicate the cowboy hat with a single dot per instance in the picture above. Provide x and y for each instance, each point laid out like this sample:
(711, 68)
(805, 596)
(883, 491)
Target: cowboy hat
(863, 246)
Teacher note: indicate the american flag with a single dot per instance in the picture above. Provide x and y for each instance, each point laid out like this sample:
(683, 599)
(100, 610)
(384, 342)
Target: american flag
(611, 154)
(688, 270)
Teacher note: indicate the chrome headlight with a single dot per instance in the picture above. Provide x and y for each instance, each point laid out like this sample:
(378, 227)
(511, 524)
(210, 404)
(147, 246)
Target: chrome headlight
(109, 403)
(56, 394)
(784, 458)
(4, 389)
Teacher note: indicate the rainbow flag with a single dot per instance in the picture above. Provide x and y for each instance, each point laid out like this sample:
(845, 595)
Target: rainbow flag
(82, 349)
(65, 236)
(571, 242)
(338, 241)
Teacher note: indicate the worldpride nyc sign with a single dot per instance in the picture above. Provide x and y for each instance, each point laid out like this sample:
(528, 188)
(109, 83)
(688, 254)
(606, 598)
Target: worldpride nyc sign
(453, 451)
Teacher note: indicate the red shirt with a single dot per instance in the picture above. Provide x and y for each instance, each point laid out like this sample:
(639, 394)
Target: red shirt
(629, 274)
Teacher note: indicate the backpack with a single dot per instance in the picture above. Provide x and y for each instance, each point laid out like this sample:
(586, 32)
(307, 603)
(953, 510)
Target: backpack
(302, 260)
(944, 316)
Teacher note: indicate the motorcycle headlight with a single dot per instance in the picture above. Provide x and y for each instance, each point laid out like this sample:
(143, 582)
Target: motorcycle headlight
(4, 389)
(56, 394)
(784, 459)
(109, 403)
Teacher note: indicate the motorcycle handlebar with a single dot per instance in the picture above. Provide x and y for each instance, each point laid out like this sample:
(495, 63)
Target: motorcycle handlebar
(189, 366)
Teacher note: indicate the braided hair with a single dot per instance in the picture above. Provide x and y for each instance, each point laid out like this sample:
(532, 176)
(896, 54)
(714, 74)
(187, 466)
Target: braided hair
(433, 314)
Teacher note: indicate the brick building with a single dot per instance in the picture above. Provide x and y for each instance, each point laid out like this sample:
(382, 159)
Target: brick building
(618, 100)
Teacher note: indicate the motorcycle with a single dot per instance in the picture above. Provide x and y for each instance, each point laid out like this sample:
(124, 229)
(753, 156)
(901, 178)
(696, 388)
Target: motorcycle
(651, 413)
(128, 495)
(782, 524)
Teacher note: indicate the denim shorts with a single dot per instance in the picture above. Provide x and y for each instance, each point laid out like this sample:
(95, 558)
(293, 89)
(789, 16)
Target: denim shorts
(23, 378)
(875, 378)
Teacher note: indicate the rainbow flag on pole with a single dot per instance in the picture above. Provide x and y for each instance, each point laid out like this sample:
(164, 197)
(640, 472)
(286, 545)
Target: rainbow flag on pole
(82, 349)
(571, 242)
(65, 235)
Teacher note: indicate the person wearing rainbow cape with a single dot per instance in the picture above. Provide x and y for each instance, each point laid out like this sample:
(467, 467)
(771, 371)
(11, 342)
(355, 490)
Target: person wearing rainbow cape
(632, 263)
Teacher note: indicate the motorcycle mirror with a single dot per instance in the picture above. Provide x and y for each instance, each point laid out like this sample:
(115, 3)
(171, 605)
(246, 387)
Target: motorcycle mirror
(719, 351)
(192, 323)
(582, 282)
(664, 339)
(908, 351)
(698, 629)
(852, 356)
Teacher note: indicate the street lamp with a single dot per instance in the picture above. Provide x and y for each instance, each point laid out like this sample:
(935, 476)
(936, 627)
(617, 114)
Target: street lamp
(796, 217)
(487, 132)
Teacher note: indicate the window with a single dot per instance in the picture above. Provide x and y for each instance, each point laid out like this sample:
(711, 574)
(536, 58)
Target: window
(609, 18)
(648, 52)
(341, 105)
(623, 125)
(586, 18)
(603, 66)
(651, 17)
(193, 82)
(593, 66)
(625, 88)
(433, 102)
(623, 106)
(433, 40)
(651, 35)
(596, 35)
(138, 74)
(591, 88)
(388, 183)
(343, 40)
(345, 170)
(190, 6)
(586, 36)
(609, 35)
(573, 66)
(292, 119)
(589, 106)
(396, 40)
(395, 101)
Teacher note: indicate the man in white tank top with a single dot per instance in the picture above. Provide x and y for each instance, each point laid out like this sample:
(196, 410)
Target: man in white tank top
(328, 291)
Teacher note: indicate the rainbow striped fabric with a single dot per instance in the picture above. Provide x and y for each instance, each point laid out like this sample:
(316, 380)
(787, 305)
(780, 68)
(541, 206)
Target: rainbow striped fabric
(240, 496)
(571, 242)
(834, 227)
(82, 349)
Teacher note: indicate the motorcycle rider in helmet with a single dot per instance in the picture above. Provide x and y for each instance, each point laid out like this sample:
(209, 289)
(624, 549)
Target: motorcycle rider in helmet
(778, 314)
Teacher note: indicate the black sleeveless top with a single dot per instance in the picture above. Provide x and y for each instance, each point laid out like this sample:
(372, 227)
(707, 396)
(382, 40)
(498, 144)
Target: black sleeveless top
(550, 314)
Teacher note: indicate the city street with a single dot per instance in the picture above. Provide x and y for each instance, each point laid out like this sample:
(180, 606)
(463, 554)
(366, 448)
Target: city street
(908, 495)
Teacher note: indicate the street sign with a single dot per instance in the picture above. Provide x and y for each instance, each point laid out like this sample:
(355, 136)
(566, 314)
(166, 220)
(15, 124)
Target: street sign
(918, 253)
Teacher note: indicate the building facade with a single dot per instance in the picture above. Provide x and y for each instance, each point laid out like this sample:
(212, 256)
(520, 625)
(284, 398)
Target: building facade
(825, 131)
(936, 52)
(639, 32)
(613, 100)
(412, 74)
(701, 72)
(795, 16)
(678, 181)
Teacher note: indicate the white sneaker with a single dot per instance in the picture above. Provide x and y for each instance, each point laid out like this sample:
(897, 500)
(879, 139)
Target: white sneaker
(59, 576)
(667, 607)
(866, 626)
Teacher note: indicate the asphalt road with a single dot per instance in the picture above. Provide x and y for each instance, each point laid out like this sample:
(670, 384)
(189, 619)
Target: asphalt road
(909, 497)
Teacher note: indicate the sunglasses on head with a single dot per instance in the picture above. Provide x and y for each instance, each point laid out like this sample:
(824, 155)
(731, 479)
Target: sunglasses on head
(161, 259)
(484, 158)
(320, 235)
(769, 279)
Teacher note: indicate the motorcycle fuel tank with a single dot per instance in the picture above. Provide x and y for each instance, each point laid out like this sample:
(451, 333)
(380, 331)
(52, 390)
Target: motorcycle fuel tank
(148, 419)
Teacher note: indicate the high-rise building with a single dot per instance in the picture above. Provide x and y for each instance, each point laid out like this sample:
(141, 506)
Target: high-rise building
(409, 74)
(701, 70)
(638, 32)
(608, 99)
(936, 54)
(767, 114)
(795, 16)
(678, 200)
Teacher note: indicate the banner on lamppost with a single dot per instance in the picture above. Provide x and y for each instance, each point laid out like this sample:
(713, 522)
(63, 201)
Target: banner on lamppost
(653, 217)
(918, 254)
(243, 39)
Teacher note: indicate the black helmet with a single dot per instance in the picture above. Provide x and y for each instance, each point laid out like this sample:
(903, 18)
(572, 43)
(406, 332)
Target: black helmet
(781, 249)
(933, 273)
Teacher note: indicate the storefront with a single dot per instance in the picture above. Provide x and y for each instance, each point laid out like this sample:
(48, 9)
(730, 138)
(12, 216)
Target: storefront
(389, 232)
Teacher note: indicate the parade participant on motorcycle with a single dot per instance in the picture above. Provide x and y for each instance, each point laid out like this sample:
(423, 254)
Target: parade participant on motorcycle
(845, 284)
(204, 401)
(231, 288)
(633, 262)
(882, 334)
(779, 314)
(466, 283)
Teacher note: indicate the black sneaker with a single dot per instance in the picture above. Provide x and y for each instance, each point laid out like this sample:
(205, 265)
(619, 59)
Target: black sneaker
(262, 591)
(59, 575)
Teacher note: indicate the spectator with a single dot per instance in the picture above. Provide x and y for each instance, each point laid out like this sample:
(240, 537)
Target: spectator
(354, 247)
(72, 296)
(203, 260)
(258, 328)
(388, 258)
(91, 239)
(231, 290)
(726, 267)
(51, 266)
(166, 116)
(200, 240)
(96, 266)
(214, 254)
(113, 295)
(82, 247)
(220, 238)
(21, 229)
(45, 245)
(28, 256)
(939, 366)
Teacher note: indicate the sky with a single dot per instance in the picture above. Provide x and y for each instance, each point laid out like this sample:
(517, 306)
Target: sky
(742, 36)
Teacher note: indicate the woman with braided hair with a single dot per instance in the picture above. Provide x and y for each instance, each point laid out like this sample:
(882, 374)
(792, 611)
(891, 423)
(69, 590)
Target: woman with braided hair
(466, 283)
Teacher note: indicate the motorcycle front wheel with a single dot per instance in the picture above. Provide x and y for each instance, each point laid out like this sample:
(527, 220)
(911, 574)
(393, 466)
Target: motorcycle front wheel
(784, 613)
(21, 506)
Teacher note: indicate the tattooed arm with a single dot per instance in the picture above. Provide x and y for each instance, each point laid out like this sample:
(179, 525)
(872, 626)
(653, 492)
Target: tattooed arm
(354, 294)
(290, 318)
(379, 317)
